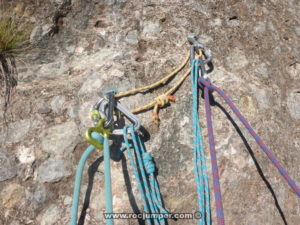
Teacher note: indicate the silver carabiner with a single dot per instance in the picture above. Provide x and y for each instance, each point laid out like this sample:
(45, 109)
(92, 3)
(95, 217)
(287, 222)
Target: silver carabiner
(102, 105)
(110, 96)
(195, 46)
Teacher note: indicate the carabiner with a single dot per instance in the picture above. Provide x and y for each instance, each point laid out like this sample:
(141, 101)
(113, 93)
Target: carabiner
(98, 128)
(101, 106)
(196, 46)
(110, 96)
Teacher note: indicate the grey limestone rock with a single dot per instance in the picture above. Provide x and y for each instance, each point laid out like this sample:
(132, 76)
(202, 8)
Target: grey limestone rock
(8, 166)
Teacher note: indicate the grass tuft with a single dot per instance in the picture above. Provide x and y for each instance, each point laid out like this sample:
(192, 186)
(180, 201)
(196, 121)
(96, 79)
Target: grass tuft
(14, 39)
(14, 34)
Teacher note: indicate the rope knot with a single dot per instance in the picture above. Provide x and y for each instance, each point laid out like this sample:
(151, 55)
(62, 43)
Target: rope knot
(162, 100)
(148, 162)
(205, 83)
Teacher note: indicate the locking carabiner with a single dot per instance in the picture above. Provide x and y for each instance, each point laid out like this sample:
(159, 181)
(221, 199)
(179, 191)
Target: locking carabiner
(101, 107)
(98, 128)
(197, 46)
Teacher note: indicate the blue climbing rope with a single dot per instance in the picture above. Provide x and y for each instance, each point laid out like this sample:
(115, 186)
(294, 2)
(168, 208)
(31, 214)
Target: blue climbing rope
(144, 170)
(199, 154)
(107, 182)
(128, 147)
(108, 194)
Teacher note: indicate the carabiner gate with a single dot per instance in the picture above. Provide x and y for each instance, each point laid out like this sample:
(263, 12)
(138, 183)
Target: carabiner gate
(101, 107)
(196, 46)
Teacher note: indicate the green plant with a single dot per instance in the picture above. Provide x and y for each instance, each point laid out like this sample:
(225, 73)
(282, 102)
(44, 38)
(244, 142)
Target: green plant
(13, 34)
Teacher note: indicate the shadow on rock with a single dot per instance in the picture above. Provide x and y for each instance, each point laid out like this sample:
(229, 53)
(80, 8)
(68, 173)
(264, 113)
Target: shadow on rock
(91, 172)
(258, 168)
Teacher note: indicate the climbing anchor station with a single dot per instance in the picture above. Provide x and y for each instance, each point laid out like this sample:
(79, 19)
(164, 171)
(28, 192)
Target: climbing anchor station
(108, 111)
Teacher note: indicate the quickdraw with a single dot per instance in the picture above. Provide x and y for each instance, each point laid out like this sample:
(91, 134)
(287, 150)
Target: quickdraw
(141, 161)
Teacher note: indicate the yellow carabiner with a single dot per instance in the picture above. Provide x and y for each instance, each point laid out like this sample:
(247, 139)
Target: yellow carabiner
(99, 128)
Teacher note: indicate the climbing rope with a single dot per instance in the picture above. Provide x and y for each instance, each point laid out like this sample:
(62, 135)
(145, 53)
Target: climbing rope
(142, 162)
(144, 171)
(156, 84)
(199, 154)
(162, 100)
(209, 88)
(107, 177)
(213, 155)
(97, 136)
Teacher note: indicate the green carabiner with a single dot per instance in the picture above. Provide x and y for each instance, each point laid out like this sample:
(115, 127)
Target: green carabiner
(99, 128)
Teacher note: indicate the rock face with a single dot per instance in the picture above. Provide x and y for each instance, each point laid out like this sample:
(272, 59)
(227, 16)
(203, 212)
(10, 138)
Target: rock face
(127, 44)
(12, 195)
(51, 215)
(8, 166)
(294, 103)
(60, 139)
(53, 170)
(16, 131)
